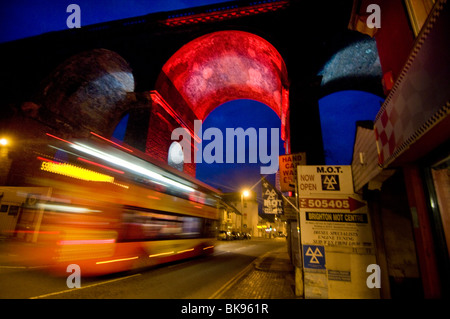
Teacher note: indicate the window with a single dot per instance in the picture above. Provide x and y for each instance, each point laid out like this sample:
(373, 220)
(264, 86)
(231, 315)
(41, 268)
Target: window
(13, 210)
(143, 225)
(440, 196)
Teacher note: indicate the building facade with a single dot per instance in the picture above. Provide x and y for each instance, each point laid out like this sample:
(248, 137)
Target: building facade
(245, 216)
(401, 161)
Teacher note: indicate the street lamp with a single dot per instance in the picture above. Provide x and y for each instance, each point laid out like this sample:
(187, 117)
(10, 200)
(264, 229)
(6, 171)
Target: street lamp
(245, 193)
(5, 161)
(4, 142)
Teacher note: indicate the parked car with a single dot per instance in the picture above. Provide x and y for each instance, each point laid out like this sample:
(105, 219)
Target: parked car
(247, 236)
(235, 235)
(224, 235)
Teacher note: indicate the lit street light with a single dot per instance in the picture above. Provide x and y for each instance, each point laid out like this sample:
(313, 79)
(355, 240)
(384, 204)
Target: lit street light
(3, 142)
(5, 161)
(244, 193)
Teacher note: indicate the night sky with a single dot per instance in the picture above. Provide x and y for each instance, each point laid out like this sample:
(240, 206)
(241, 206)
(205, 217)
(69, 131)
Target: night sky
(234, 114)
(338, 115)
(25, 18)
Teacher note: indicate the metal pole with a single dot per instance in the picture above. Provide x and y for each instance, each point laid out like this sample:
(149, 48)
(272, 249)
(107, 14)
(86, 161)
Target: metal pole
(300, 280)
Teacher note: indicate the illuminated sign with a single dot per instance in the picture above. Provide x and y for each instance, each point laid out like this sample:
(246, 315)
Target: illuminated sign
(77, 172)
(273, 201)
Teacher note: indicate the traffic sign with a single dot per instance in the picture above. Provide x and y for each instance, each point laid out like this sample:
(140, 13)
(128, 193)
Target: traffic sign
(314, 256)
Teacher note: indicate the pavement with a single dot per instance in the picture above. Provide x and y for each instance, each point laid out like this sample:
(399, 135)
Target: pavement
(270, 276)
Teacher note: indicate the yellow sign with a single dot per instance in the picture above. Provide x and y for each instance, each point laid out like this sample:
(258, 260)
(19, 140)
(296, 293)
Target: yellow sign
(288, 170)
(78, 173)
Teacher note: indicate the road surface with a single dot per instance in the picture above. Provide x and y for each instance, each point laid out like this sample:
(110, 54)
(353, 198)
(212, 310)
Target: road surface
(198, 278)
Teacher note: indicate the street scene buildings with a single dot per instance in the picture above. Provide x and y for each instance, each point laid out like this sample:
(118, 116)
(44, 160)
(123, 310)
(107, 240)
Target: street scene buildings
(135, 144)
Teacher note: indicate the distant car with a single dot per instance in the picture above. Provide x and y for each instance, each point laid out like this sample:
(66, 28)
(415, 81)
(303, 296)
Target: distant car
(235, 235)
(224, 235)
(247, 236)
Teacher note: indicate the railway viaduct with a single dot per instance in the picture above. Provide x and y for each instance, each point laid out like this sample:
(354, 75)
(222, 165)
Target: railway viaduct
(167, 69)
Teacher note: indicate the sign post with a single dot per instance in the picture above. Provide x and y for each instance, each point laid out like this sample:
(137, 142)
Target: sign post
(288, 183)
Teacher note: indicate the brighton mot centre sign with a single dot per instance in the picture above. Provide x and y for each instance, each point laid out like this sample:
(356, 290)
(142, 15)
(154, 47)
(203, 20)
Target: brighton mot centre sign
(336, 234)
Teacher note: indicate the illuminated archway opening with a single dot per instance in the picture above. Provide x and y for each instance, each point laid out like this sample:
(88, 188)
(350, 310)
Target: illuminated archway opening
(121, 128)
(339, 113)
(245, 114)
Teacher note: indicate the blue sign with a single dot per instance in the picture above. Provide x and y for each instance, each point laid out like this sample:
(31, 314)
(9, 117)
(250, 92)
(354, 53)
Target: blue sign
(314, 256)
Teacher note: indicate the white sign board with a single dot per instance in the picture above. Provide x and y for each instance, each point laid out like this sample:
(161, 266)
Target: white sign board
(336, 234)
(327, 180)
(325, 225)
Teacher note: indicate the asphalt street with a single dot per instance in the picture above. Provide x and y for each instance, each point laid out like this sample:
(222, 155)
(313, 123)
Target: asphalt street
(197, 278)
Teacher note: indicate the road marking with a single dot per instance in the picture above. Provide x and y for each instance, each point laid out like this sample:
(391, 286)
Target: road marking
(245, 247)
(231, 282)
(220, 253)
(84, 287)
(13, 267)
(22, 267)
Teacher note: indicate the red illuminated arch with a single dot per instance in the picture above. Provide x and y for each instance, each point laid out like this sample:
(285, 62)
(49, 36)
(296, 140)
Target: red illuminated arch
(223, 66)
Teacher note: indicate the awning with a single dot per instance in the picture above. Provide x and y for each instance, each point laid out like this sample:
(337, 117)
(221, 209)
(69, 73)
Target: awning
(420, 99)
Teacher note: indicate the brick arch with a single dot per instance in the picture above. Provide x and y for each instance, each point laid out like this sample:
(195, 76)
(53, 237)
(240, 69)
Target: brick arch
(88, 91)
(222, 66)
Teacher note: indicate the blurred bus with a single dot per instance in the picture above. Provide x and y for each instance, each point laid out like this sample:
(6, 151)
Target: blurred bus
(105, 207)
